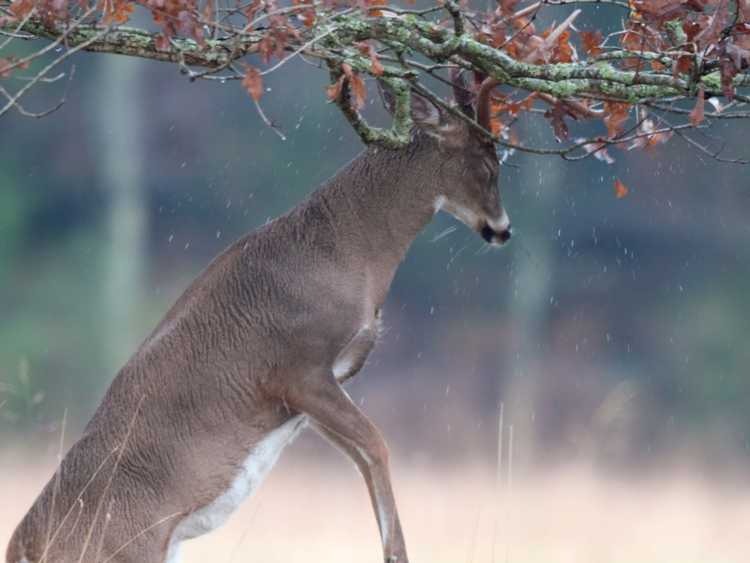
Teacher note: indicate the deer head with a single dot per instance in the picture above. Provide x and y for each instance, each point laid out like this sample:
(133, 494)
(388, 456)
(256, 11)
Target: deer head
(462, 161)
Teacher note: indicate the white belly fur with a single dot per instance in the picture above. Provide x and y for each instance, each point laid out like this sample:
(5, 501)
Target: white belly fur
(251, 474)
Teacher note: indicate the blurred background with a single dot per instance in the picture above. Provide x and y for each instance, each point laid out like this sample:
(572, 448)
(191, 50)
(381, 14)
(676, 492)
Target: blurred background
(581, 395)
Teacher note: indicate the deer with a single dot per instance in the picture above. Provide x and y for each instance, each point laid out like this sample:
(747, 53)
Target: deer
(258, 348)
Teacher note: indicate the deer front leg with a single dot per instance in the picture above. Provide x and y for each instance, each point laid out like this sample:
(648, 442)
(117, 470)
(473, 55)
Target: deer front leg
(384, 523)
(334, 414)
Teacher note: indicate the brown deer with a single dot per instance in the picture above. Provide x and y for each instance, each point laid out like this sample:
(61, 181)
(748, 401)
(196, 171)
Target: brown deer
(256, 349)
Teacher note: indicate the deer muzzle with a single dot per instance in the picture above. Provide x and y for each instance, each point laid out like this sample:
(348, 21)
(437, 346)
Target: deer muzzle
(497, 231)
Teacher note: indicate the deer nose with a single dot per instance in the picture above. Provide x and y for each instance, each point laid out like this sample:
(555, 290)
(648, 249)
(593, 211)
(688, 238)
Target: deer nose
(492, 236)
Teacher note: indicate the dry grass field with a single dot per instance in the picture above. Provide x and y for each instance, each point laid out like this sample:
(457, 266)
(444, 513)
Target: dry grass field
(319, 511)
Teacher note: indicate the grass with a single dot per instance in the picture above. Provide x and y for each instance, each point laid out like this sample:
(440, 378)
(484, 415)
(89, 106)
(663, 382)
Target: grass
(313, 510)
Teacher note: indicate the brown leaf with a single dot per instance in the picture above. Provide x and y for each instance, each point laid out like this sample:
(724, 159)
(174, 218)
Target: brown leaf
(591, 41)
(648, 138)
(366, 49)
(563, 50)
(631, 41)
(616, 114)
(266, 48)
(698, 114)
(728, 72)
(21, 8)
(556, 115)
(501, 104)
(253, 83)
(376, 13)
(377, 67)
(621, 190)
(684, 65)
(358, 89)
(691, 29)
(334, 90)
(496, 125)
(308, 18)
(662, 10)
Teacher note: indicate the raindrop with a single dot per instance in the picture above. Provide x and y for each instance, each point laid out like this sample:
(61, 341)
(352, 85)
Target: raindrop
(218, 233)
(443, 234)
(170, 239)
(187, 245)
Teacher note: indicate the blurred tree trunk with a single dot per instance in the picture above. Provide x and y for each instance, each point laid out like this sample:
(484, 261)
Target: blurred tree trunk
(121, 176)
(529, 308)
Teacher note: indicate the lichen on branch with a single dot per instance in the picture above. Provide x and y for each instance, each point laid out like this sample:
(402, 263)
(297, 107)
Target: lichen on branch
(667, 53)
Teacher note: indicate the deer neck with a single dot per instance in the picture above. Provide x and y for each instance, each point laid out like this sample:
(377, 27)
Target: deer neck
(379, 203)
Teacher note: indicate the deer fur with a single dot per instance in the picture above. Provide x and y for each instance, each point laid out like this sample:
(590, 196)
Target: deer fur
(255, 349)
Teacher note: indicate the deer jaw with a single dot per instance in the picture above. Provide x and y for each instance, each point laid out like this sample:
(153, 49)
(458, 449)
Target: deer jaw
(494, 230)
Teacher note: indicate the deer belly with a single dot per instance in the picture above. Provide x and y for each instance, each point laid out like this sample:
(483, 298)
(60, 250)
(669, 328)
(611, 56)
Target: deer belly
(252, 472)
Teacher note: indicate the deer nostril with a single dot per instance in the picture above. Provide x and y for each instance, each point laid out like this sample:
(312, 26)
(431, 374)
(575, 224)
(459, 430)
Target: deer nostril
(506, 234)
(487, 233)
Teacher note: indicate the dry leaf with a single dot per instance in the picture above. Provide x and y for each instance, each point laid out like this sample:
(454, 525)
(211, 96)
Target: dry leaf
(698, 114)
(621, 190)
(253, 83)
(334, 90)
(617, 113)
(591, 41)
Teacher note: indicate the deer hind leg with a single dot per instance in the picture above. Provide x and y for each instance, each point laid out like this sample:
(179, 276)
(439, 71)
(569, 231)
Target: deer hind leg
(334, 415)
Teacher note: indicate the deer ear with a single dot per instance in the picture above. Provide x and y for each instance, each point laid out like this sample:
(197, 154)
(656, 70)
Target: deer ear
(423, 112)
